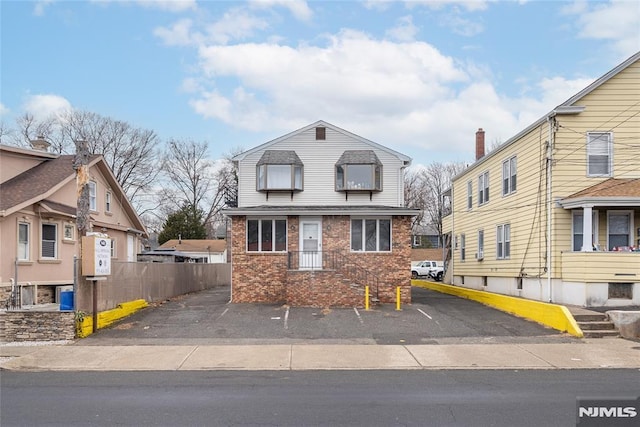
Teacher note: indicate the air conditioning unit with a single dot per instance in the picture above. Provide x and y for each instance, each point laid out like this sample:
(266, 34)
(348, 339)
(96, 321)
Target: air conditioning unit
(479, 256)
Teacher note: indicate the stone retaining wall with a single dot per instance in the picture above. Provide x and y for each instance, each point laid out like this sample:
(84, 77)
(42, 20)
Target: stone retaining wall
(37, 326)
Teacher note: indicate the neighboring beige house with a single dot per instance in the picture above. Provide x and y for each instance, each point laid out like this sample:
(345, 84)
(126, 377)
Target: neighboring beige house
(553, 214)
(38, 220)
(202, 250)
(320, 215)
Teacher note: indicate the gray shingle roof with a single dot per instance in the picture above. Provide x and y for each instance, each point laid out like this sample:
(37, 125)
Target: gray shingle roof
(358, 157)
(279, 157)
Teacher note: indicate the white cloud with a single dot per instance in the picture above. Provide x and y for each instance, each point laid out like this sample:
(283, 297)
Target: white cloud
(46, 105)
(179, 34)
(462, 26)
(404, 31)
(614, 21)
(3, 110)
(298, 8)
(40, 6)
(169, 5)
(470, 5)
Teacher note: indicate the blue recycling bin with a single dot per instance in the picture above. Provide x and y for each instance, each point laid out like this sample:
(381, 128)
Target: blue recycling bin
(66, 300)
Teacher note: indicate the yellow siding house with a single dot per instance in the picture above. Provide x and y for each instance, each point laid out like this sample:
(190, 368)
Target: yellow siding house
(553, 214)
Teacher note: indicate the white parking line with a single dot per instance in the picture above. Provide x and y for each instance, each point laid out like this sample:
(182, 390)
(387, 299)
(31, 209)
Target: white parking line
(430, 318)
(223, 313)
(358, 314)
(286, 319)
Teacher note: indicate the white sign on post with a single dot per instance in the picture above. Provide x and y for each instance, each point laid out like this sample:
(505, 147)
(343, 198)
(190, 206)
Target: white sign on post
(96, 256)
(103, 257)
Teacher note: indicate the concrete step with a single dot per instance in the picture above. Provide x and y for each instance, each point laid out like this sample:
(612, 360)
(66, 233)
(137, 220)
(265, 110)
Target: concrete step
(598, 326)
(601, 334)
(595, 317)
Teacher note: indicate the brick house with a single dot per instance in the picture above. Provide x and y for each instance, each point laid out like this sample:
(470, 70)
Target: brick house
(320, 215)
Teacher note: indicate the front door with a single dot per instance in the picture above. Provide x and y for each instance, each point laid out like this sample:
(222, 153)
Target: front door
(311, 244)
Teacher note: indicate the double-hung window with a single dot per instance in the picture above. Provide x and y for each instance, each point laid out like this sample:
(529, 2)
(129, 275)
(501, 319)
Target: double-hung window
(24, 229)
(483, 188)
(371, 235)
(266, 235)
(619, 226)
(49, 243)
(503, 241)
(463, 247)
(509, 176)
(358, 170)
(93, 205)
(599, 153)
(107, 201)
(469, 195)
(279, 170)
(480, 254)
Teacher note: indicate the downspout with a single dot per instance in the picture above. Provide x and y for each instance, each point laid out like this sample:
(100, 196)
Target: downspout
(453, 234)
(550, 144)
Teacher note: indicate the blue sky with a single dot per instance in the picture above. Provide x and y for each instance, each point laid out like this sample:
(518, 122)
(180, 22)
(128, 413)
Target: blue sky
(418, 76)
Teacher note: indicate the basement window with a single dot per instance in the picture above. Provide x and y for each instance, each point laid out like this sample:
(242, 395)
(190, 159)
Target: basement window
(621, 290)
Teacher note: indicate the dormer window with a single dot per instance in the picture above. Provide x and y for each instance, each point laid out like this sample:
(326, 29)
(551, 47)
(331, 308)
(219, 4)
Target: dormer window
(279, 170)
(358, 170)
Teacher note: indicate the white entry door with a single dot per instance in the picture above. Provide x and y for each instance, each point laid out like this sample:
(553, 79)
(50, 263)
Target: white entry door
(311, 244)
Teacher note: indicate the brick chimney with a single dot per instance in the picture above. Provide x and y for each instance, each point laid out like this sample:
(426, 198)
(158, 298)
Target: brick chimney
(479, 144)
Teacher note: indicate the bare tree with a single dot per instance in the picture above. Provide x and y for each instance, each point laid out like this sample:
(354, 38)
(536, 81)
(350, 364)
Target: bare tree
(437, 178)
(131, 153)
(415, 195)
(196, 181)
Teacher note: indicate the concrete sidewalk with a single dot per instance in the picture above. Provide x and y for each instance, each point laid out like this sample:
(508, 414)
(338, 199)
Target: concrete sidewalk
(586, 354)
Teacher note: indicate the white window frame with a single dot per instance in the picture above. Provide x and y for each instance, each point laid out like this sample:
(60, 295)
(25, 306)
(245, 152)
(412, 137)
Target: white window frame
(417, 240)
(480, 253)
(503, 241)
(114, 248)
(593, 151)
(93, 198)
(363, 242)
(463, 247)
(262, 221)
(509, 175)
(296, 182)
(630, 236)
(27, 244)
(107, 201)
(469, 195)
(55, 241)
(594, 228)
(66, 228)
(483, 188)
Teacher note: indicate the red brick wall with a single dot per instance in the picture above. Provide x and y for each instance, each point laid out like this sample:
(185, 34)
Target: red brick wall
(260, 277)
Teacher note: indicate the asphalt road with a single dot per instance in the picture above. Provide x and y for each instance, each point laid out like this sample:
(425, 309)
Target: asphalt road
(318, 398)
(208, 318)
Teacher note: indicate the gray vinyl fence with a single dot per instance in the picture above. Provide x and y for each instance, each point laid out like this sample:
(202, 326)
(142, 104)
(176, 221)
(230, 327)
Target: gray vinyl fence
(152, 282)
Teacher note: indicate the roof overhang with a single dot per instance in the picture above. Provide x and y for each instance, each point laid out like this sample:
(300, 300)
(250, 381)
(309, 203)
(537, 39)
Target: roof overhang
(321, 210)
(593, 202)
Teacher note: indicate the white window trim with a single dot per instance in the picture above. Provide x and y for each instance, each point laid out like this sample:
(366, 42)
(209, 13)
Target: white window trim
(463, 248)
(594, 228)
(510, 175)
(631, 225)
(93, 196)
(501, 238)
(480, 253)
(469, 195)
(108, 200)
(64, 232)
(56, 248)
(609, 153)
(114, 248)
(484, 178)
(273, 219)
(28, 249)
(417, 240)
(364, 243)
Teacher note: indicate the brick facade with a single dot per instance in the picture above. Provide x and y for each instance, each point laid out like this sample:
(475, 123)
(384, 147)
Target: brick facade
(264, 277)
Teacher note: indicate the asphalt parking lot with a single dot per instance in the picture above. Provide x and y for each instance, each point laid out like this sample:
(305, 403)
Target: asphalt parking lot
(207, 317)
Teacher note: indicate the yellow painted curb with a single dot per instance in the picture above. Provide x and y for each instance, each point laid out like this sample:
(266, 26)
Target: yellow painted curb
(84, 323)
(552, 315)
